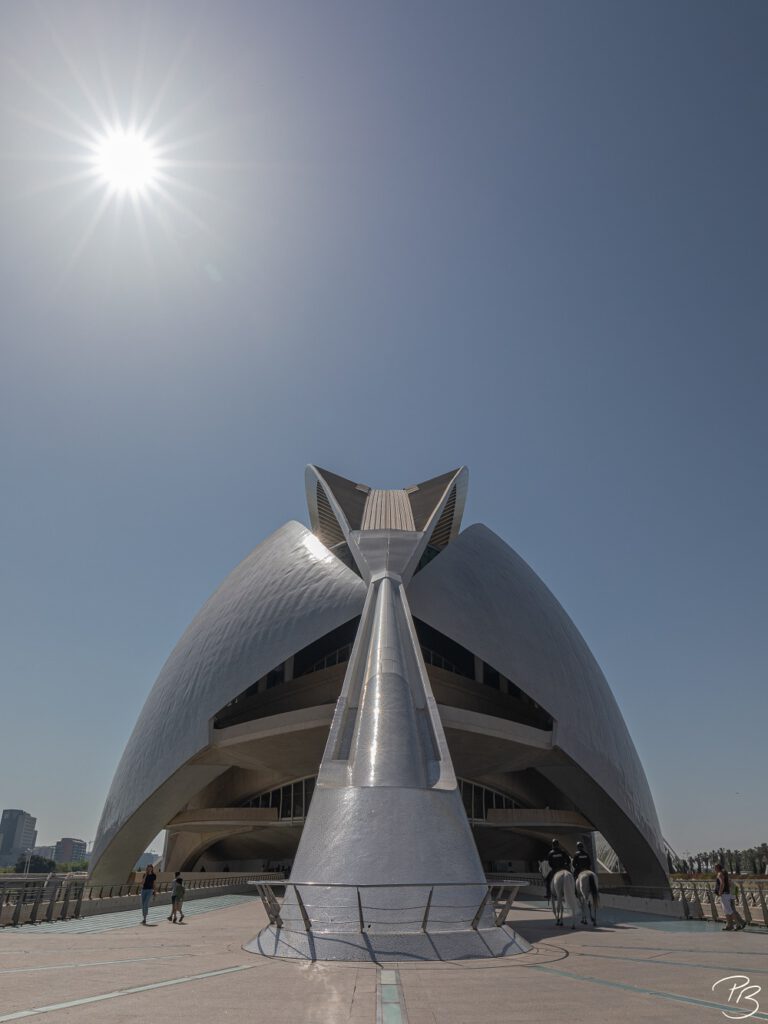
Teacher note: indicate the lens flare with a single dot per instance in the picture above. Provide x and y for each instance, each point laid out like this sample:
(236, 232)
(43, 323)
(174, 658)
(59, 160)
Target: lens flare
(126, 161)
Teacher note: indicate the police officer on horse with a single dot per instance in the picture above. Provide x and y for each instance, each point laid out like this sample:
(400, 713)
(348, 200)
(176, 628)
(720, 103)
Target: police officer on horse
(581, 860)
(558, 860)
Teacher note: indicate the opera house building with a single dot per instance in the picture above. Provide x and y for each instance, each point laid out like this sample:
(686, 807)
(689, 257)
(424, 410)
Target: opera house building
(383, 698)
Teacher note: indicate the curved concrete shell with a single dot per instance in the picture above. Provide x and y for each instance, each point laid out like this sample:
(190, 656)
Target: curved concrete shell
(289, 591)
(484, 595)
(256, 689)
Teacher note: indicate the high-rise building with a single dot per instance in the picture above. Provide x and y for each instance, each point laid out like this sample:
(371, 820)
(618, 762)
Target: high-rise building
(17, 834)
(43, 851)
(68, 850)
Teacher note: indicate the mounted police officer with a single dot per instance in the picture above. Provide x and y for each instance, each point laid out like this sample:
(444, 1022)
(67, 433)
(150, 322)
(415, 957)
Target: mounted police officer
(558, 860)
(581, 860)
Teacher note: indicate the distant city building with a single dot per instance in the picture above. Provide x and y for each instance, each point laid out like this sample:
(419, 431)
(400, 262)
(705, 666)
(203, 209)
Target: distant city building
(44, 851)
(150, 857)
(68, 850)
(17, 835)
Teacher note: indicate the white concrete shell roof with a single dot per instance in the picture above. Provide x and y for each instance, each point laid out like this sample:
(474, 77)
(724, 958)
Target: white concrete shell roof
(482, 594)
(287, 593)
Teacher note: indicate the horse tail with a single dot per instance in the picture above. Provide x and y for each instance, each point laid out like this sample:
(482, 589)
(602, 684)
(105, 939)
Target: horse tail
(569, 891)
(593, 888)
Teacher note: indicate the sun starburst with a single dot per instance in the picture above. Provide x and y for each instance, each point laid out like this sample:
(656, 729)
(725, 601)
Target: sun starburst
(126, 161)
(124, 149)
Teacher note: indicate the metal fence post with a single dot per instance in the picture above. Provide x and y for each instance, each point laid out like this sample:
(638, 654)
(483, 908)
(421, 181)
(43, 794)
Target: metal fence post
(17, 908)
(360, 909)
(38, 899)
(425, 919)
(712, 903)
(745, 905)
(54, 899)
(501, 917)
(697, 902)
(761, 897)
(302, 908)
(684, 902)
(480, 909)
(79, 904)
(65, 907)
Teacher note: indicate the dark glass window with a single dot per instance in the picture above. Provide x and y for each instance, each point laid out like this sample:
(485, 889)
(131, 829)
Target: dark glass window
(487, 801)
(298, 800)
(309, 789)
(491, 677)
(285, 802)
(466, 796)
(312, 658)
(444, 652)
(276, 676)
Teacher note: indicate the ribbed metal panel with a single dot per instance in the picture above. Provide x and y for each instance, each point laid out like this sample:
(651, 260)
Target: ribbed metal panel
(387, 510)
(442, 531)
(329, 531)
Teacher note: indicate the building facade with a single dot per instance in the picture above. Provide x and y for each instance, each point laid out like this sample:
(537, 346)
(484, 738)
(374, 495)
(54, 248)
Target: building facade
(17, 835)
(68, 850)
(502, 705)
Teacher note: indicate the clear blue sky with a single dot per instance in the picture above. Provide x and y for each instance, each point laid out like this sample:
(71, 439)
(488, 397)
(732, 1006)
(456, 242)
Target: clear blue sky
(527, 237)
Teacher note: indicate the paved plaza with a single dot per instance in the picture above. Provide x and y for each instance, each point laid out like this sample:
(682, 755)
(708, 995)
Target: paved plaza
(633, 968)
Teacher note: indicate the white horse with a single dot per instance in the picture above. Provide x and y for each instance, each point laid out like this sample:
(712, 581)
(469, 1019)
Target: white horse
(563, 891)
(588, 892)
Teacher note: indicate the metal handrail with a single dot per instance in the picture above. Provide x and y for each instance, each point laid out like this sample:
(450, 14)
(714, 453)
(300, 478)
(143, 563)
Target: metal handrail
(53, 898)
(364, 920)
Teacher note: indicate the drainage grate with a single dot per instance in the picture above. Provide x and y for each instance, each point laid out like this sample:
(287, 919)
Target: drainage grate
(390, 1004)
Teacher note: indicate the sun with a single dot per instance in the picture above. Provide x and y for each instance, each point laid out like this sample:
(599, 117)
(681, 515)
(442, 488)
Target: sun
(126, 161)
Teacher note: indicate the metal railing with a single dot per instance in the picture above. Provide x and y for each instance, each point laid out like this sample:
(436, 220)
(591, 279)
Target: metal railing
(56, 899)
(750, 899)
(354, 911)
(697, 897)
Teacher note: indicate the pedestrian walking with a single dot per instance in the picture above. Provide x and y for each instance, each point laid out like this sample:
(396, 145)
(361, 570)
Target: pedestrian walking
(177, 899)
(147, 891)
(733, 920)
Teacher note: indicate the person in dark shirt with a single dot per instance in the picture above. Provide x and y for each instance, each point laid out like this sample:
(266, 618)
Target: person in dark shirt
(581, 860)
(558, 860)
(177, 899)
(147, 891)
(733, 920)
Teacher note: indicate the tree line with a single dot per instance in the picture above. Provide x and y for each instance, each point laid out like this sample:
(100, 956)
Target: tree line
(753, 861)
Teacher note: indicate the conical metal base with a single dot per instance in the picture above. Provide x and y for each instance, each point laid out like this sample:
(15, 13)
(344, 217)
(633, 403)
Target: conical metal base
(387, 867)
(485, 943)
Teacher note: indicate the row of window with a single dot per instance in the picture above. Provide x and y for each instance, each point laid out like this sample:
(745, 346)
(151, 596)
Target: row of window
(433, 658)
(342, 654)
(292, 800)
(337, 657)
(478, 800)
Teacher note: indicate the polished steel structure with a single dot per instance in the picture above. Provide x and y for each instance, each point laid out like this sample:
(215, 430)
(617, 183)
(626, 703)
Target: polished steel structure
(322, 703)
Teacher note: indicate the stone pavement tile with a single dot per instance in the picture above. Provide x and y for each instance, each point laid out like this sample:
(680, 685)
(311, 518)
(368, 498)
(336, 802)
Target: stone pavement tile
(487, 997)
(421, 1015)
(249, 996)
(575, 976)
